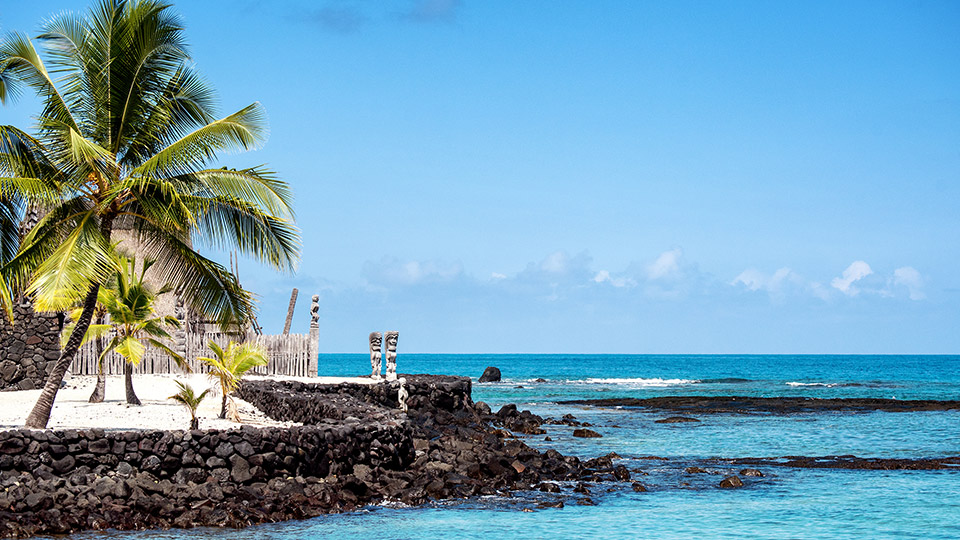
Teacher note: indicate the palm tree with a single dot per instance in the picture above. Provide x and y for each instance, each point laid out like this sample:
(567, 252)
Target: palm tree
(230, 364)
(126, 139)
(100, 389)
(189, 399)
(128, 301)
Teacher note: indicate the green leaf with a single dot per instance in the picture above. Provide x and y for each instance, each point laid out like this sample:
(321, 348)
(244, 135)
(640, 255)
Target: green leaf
(131, 349)
(84, 257)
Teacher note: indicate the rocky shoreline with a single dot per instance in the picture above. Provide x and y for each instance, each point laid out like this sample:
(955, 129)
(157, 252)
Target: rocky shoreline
(355, 448)
(775, 405)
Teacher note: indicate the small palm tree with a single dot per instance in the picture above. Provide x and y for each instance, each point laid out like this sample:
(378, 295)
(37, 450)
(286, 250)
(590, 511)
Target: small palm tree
(188, 397)
(230, 364)
(129, 302)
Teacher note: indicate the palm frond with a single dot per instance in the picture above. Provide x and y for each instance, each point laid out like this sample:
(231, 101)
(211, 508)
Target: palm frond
(85, 256)
(6, 300)
(93, 331)
(20, 63)
(244, 130)
(207, 286)
(255, 185)
(24, 156)
(179, 359)
(225, 224)
(42, 241)
(185, 104)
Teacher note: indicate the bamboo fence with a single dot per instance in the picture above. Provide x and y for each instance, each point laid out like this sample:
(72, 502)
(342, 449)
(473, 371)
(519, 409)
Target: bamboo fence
(288, 354)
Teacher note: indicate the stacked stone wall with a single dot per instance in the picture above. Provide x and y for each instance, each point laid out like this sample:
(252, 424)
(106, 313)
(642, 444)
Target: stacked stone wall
(29, 348)
(312, 402)
(69, 480)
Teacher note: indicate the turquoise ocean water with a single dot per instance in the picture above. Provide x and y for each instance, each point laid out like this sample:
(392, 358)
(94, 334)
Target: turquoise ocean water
(787, 503)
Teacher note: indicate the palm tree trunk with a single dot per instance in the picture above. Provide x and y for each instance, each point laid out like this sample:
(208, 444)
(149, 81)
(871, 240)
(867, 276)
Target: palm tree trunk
(223, 405)
(194, 423)
(99, 391)
(40, 414)
(132, 398)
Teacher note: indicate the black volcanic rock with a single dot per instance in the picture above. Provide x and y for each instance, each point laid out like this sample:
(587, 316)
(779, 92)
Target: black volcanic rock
(675, 420)
(491, 374)
(731, 482)
(776, 405)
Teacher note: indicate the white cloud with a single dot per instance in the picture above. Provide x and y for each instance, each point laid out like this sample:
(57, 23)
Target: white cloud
(555, 263)
(910, 278)
(498, 275)
(755, 280)
(559, 267)
(603, 276)
(819, 290)
(391, 270)
(667, 264)
(855, 272)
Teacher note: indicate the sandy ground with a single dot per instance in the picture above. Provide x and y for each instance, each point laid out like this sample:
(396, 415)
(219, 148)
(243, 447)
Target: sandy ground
(72, 410)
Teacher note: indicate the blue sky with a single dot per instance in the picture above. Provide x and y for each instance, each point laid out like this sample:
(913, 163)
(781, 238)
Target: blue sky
(662, 177)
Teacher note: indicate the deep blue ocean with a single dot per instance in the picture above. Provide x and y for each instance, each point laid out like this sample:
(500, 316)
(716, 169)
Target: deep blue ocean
(787, 503)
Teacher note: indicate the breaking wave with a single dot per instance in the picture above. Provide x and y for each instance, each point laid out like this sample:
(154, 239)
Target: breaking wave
(641, 382)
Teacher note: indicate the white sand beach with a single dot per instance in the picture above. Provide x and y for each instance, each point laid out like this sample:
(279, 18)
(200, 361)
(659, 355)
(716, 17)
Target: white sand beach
(71, 410)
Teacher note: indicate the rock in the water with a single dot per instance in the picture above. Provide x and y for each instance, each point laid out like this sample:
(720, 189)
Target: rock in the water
(491, 374)
(751, 472)
(638, 487)
(675, 420)
(695, 470)
(731, 482)
(586, 433)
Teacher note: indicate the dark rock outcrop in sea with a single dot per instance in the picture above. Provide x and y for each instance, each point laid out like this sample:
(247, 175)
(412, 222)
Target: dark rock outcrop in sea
(676, 420)
(775, 405)
(731, 482)
(491, 374)
(851, 462)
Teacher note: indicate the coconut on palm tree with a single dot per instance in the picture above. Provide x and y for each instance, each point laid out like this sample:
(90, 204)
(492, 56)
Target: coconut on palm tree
(129, 302)
(127, 138)
(189, 398)
(229, 365)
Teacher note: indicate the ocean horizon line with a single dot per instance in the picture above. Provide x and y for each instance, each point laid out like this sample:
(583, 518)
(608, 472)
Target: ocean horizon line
(651, 354)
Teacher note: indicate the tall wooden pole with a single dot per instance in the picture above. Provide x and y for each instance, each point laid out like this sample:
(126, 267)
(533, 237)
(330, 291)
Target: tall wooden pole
(293, 303)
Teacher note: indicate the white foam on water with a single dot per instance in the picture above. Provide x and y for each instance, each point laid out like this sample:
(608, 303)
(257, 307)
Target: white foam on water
(827, 385)
(640, 382)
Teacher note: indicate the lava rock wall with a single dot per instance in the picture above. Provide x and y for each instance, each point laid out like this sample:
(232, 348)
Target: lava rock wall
(293, 401)
(59, 481)
(29, 348)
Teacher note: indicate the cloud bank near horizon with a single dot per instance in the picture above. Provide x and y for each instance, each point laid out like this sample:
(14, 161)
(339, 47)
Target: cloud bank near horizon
(666, 302)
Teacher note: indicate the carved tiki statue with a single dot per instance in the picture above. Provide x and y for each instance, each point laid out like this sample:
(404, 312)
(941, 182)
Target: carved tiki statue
(391, 338)
(375, 339)
(402, 394)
